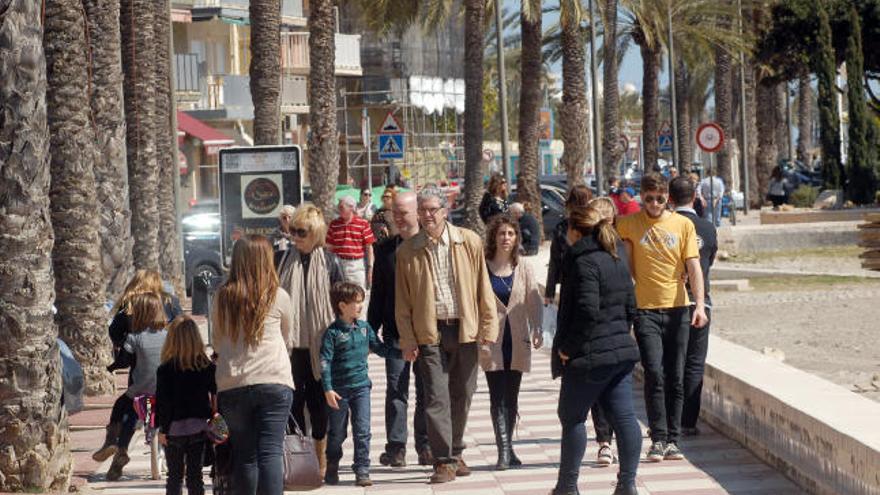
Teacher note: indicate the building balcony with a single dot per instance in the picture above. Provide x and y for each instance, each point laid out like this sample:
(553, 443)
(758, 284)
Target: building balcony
(187, 77)
(294, 94)
(228, 97)
(295, 54)
(292, 12)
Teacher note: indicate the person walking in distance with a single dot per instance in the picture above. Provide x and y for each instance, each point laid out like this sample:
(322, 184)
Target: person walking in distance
(351, 239)
(593, 350)
(682, 194)
(444, 307)
(662, 247)
(308, 271)
(518, 302)
(380, 313)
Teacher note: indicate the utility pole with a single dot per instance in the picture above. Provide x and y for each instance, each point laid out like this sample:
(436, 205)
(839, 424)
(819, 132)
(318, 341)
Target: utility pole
(744, 119)
(597, 145)
(675, 139)
(502, 92)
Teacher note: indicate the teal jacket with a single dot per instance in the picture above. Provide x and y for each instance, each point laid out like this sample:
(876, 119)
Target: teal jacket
(344, 351)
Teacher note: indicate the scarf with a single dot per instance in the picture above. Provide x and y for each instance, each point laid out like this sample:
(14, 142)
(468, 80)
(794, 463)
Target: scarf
(311, 312)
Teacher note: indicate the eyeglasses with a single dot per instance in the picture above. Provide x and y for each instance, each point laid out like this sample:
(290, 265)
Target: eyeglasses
(366, 193)
(429, 211)
(302, 233)
(659, 199)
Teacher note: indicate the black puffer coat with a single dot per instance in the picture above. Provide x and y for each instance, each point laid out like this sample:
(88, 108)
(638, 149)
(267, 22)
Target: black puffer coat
(596, 309)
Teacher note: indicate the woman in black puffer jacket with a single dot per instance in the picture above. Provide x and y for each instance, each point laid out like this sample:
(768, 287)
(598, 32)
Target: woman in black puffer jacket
(593, 350)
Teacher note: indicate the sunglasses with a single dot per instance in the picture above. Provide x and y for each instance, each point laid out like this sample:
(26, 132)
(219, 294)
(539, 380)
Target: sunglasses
(302, 233)
(659, 199)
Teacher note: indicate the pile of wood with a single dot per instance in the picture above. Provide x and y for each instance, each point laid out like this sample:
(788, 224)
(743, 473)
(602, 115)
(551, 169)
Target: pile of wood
(869, 238)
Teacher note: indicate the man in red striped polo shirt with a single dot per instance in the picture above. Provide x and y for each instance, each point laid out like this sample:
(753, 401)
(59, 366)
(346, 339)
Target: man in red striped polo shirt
(351, 239)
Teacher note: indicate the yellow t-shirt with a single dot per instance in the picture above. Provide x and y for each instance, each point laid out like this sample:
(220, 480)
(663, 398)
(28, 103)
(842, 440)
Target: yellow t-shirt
(659, 250)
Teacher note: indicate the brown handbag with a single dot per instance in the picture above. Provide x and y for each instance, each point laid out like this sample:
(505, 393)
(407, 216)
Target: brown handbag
(301, 470)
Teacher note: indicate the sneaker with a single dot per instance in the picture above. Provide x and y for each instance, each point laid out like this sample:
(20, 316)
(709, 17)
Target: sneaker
(462, 469)
(363, 479)
(673, 453)
(606, 457)
(656, 452)
(443, 473)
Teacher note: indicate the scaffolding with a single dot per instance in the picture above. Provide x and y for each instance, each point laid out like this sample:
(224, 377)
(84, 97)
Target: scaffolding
(434, 148)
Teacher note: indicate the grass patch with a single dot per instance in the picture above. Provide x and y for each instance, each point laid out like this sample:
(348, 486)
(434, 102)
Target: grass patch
(807, 282)
(836, 252)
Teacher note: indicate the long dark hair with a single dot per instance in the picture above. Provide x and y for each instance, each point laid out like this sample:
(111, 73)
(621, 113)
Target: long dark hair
(580, 195)
(588, 221)
(495, 223)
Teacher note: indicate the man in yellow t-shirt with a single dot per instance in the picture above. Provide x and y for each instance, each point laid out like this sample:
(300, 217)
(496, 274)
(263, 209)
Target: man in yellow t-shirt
(662, 248)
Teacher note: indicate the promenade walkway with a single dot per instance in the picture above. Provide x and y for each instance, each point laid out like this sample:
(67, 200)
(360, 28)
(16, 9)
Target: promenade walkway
(714, 465)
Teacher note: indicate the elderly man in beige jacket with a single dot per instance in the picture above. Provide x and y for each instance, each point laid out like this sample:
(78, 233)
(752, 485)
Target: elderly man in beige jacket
(444, 307)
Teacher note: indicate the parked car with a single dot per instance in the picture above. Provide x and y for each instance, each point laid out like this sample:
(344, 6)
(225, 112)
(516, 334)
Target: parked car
(552, 207)
(201, 246)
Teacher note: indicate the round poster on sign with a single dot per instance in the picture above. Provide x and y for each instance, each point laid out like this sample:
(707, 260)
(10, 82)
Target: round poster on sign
(710, 137)
(261, 195)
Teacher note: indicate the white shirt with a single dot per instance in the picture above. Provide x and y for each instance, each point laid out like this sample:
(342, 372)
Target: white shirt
(712, 187)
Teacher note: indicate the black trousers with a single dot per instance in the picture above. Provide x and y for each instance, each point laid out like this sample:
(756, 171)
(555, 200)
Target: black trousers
(397, 376)
(185, 454)
(449, 371)
(308, 394)
(694, 366)
(601, 423)
(662, 335)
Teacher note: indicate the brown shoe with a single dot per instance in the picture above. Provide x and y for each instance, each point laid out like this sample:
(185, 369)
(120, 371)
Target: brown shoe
(443, 473)
(462, 469)
(426, 458)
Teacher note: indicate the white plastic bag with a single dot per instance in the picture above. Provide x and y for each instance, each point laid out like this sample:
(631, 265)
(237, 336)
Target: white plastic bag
(549, 321)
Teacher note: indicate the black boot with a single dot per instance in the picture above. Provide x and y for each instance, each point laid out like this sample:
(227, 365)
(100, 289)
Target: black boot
(110, 438)
(626, 490)
(331, 474)
(502, 438)
(511, 427)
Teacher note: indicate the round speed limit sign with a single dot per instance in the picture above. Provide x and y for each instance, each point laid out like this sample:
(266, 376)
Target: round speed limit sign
(710, 137)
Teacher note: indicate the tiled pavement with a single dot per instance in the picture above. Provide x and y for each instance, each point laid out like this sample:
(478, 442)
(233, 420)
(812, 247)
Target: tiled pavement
(714, 465)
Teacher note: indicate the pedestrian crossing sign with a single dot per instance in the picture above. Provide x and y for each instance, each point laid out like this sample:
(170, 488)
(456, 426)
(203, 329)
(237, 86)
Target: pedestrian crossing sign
(664, 143)
(391, 146)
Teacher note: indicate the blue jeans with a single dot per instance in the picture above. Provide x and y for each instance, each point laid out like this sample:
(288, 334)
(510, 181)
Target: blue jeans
(357, 401)
(611, 386)
(397, 374)
(257, 417)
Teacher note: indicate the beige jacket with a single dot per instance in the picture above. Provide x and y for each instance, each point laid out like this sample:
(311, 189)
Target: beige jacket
(414, 290)
(524, 311)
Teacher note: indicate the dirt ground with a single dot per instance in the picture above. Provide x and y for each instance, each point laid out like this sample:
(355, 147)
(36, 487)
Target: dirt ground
(825, 325)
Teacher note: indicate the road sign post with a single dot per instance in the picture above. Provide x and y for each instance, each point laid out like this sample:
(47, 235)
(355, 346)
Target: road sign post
(710, 138)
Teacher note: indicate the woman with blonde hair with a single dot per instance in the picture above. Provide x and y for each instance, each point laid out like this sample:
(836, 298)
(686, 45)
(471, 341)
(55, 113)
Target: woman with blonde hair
(593, 350)
(185, 390)
(308, 271)
(518, 302)
(252, 337)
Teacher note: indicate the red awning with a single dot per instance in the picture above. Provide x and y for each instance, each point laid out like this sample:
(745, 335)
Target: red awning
(212, 139)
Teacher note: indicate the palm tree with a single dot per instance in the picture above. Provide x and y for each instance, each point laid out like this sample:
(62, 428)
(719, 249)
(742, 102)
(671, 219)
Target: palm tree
(612, 151)
(76, 257)
(31, 417)
(171, 250)
(768, 147)
(804, 117)
(111, 172)
(138, 55)
(531, 68)
(474, 20)
(723, 111)
(265, 70)
(683, 105)
(323, 138)
(573, 116)
(641, 19)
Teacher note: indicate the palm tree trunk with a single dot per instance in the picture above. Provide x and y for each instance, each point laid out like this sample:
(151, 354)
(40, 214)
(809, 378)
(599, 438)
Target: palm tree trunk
(723, 95)
(683, 105)
(781, 128)
(474, 17)
(76, 257)
(768, 152)
(36, 450)
(111, 171)
(805, 118)
(573, 113)
(265, 69)
(651, 60)
(138, 55)
(171, 250)
(751, 127)
(612, 151)
(323, 140)
(529, 113)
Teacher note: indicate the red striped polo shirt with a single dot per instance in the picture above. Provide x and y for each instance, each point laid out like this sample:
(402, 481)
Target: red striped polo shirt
(349, 240)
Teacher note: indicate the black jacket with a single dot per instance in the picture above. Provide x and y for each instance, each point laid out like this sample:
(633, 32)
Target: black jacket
(558, 246)
(531, 233)
(120, 327)
(491, 206)
(596, 309)
(707, 240)
(380, 313)
(183, 394)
